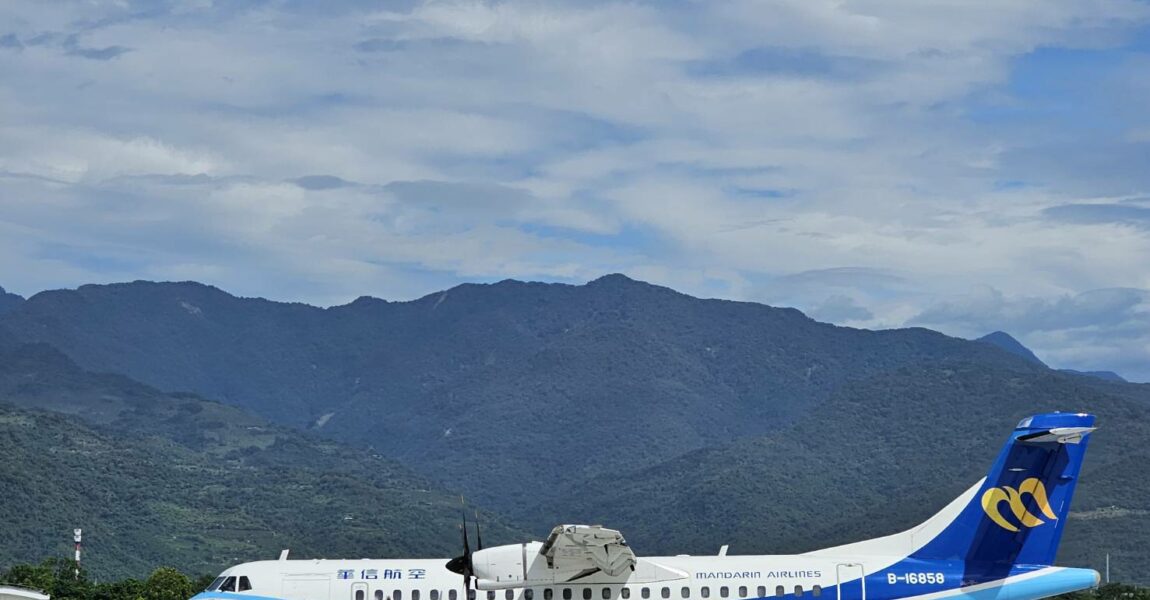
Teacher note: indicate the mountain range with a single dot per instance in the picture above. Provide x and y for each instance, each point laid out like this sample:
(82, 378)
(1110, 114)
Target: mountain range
(684, 422)
(1007, 342)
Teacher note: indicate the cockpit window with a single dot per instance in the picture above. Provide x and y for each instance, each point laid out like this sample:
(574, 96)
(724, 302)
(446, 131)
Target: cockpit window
(214, 584)
(229, 585)
(245, 584)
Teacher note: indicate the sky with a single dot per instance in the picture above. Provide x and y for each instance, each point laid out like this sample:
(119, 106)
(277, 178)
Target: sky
(966, 166)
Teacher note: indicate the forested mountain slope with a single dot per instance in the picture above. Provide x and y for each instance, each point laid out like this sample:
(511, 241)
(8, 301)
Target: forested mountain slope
(882, 455)
(685, 422)
(561, 382)
(157, 479)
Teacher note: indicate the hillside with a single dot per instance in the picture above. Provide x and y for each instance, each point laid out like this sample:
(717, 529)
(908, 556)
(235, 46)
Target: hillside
(1007, 342)
(448, 381)
(882, 455)
(685, 422)
(159, 479)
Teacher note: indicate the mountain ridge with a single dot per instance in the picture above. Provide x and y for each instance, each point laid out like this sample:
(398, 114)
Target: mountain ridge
(612, 401)
(485, 367)
(9, 301)
(1010, 344)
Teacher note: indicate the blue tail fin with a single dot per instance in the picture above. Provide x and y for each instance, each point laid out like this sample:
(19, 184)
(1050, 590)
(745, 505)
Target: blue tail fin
(1017, 515)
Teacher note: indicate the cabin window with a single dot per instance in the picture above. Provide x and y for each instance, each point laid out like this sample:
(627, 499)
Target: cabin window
(685, 592)
(229, 585)
(724, 592)
(547, 593)
(378, 594)
(414, 594)
(606, 593)
(762, 591)
(705, 592)
(434, 594)
(452, 595)
(798, 591)
(742, 591)
(665, 592)
(817, 590)
(397, 595)
(528, 594)
(586, 593)
(780, 591)
(471, 594)
(361, 595)
(566, 593)
(491, 595)
(625, 593)
(509, 595)
(645, 593)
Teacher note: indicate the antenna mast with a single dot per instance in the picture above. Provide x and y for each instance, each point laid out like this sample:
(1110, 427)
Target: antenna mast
(77, 535)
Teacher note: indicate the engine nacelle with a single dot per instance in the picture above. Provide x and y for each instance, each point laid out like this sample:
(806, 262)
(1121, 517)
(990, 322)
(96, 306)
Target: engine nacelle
(512, 565)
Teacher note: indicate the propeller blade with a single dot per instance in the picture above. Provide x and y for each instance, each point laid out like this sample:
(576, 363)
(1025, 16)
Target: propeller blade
(466, 546)
(462, 564)
(478, 536)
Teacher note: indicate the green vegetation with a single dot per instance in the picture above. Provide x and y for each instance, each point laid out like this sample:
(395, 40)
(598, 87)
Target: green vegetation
(561, 383)
(173, 479)
(59, 579)
(1110, 591)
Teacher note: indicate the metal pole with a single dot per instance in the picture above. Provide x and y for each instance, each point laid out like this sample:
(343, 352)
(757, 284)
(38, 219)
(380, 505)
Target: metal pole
(1107, 567)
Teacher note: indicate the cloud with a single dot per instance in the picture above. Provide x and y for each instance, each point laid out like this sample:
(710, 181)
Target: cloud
(840, 309)
(321, 182)
(989, 309)
(870, 163)
(1093, 214)
(1105, 329)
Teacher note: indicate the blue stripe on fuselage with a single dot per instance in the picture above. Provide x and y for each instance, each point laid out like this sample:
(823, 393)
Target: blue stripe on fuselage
(230, 596)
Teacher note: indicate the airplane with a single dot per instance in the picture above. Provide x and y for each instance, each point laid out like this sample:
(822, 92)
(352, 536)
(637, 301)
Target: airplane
(996, 541)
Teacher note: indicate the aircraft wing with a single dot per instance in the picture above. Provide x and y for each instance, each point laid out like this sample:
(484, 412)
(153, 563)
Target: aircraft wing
(587, 549)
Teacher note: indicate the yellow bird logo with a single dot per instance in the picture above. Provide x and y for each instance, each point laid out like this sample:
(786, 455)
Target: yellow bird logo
(992, 498)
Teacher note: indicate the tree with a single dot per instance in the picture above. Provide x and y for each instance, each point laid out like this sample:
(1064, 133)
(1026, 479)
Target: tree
(167, 583)
(37, 577)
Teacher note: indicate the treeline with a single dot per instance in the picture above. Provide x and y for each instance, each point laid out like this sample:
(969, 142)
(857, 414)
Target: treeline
(1110, 591)
(58, 578)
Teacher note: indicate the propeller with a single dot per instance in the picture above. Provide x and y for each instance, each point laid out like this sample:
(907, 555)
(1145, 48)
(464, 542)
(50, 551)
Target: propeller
(462, 564)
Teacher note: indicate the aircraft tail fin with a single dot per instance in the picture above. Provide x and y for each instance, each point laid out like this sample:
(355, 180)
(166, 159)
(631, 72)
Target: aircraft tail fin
(1016, 515)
